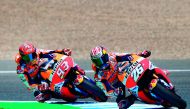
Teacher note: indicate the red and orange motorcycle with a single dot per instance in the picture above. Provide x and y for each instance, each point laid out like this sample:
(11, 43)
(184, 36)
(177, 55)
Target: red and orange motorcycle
(67, 83)
(141, 79)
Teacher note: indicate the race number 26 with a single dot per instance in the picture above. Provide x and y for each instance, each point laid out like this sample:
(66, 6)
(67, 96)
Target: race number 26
(137, 71)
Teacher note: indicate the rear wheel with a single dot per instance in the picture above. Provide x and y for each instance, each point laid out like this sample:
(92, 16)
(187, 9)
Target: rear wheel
(95, 92)
(169, 96)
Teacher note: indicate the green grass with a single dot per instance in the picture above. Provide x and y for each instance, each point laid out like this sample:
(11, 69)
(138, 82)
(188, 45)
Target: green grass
(34, 105)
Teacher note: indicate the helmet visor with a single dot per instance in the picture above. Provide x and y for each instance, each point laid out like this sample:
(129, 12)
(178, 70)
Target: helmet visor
(99, 62)
(29, 57)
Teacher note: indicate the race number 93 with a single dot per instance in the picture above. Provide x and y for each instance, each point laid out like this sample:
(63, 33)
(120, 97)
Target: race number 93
(137, 72)
(62, 69)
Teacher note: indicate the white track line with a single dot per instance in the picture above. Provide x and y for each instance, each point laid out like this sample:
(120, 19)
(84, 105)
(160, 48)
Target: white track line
(91, 71)
(96, 105)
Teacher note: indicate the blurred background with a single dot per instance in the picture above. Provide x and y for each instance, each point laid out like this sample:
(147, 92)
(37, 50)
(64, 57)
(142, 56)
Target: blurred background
(162, 26)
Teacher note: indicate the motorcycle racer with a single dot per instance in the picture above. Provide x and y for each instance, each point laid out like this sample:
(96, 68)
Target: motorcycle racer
(30, 70)
(107, 67)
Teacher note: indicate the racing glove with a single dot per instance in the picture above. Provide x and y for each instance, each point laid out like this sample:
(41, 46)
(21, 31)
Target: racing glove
(145, 53)
(67, 51)
(79, 69)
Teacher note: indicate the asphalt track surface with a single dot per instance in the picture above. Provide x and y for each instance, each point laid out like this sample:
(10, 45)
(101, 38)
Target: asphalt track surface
(11, 88)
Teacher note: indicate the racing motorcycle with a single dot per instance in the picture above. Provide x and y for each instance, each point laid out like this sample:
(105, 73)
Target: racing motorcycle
(76, 85)
(141, 79)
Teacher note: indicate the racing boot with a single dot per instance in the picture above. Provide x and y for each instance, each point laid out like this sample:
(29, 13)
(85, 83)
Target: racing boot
(124, 103)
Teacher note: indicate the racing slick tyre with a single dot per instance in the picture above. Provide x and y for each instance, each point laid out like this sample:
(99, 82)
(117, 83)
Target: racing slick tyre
(169, 96)
(94, 91)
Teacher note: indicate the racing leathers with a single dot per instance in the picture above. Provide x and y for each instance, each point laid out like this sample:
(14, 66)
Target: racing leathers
(31, 73)
(107, 79)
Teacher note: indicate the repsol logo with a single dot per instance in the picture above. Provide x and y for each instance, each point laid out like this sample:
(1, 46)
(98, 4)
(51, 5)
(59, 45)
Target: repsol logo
(130, 69)
(55, 66)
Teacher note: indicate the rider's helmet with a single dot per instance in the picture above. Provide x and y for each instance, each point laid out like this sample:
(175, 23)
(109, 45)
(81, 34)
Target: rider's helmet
(100, 58)
(27, 52)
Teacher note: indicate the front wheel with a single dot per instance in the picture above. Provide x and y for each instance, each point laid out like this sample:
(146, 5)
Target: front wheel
(169, 96)
(94, 91)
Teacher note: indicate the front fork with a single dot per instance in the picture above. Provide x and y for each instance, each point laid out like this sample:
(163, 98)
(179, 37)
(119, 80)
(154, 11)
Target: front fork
(153, 82)
(152, 85)
(79, 78)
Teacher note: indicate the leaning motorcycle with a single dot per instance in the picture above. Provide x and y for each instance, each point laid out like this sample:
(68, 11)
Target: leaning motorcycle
(76, 85)
(141, 79)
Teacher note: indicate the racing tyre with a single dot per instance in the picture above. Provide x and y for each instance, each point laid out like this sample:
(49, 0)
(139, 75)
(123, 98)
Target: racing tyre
(169, 96)
(94, 91)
